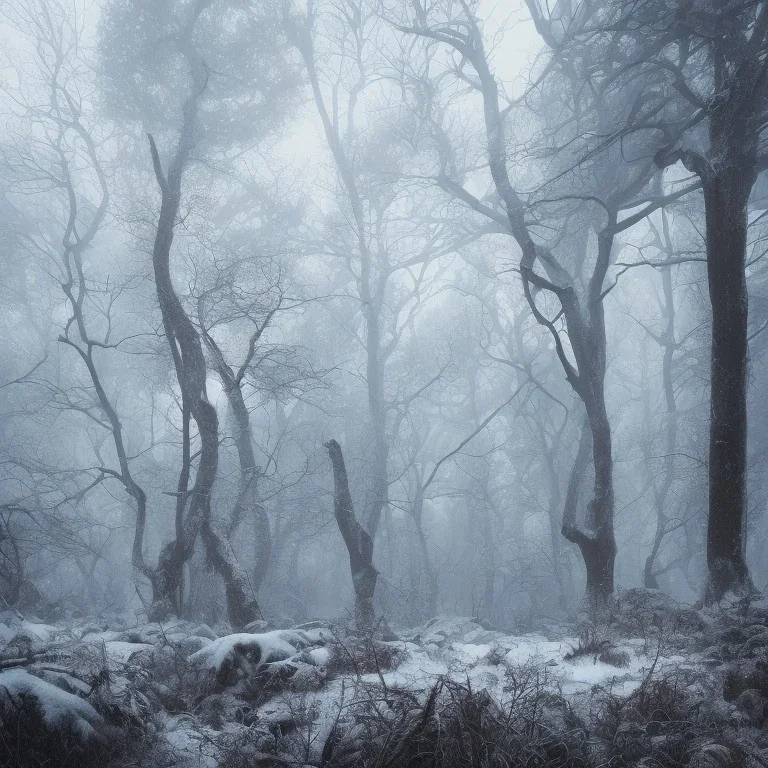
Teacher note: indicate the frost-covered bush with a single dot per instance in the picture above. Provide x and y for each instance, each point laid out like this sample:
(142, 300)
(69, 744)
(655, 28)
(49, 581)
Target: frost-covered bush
(250, 747)
(362, 655)
(594, 642)
(645, 613)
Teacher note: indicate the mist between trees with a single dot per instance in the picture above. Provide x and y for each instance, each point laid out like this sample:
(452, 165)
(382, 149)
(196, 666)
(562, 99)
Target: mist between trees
(381, 309)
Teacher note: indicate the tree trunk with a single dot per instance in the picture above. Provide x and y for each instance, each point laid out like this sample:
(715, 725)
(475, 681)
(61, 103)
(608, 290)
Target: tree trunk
(726, 195)
(240, 592)
(377, 412)
(242, 607)
(358, 541)
(668, 341)
(166, 582)
(600, 554)
(595, 537)
(191, 372)
(429, 571)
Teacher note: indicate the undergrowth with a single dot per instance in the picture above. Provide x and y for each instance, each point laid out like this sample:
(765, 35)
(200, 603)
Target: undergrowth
(459, 727)
(27, 741)
(661, 725)
(592, 643)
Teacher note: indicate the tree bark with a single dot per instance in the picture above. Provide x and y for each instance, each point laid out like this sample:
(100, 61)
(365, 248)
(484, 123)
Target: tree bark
(726, 195)
(599, 546)
(242, 607)
(727, 176)
(358, 541)
(595, 544)
(728, 170)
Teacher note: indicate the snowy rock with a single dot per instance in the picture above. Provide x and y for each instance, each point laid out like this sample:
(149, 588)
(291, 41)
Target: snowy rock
(448, 629)
(62, 679)
(471, 653)
(58, 708)
(752, 704)
(240, 655)
(203, 630)
(320, 657)
(307, 677)
(43, 633)
(187, 644)
(98, 637)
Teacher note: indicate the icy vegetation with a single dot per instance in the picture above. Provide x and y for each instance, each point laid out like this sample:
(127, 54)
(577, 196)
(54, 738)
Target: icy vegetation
(382, 383)
(57, 707)
(646, 683)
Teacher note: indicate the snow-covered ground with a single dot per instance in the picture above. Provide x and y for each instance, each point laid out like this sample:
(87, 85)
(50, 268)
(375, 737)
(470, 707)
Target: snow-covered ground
(201, 690)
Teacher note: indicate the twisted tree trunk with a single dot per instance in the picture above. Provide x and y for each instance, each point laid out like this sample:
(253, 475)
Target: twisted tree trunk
(358, 541)
(191, 372)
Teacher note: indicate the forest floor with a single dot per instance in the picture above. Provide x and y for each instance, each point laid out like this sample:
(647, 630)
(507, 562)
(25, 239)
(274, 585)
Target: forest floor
(651, 684)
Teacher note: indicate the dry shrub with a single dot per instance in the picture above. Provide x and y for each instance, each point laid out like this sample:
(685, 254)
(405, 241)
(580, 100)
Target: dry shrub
(248, 747)
(593, 643)
(660, 725)
(362, 656)
(458, 727)
(170, 680)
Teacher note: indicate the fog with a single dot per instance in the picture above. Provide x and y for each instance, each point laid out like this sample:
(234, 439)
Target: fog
(358, 315)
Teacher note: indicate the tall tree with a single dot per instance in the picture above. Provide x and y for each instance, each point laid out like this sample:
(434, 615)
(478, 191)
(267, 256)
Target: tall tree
(211, 74)
(588, 215)
(381, 233)
(705, 66)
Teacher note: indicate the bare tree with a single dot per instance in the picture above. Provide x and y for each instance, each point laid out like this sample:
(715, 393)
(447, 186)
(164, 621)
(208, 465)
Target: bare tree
(619, 190)
(191, 372)
(719, 70)
(704, 67)
(191, 38)
(390, 281)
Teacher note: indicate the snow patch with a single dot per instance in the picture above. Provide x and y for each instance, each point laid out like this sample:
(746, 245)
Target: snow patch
(120, 652)
(320, 657)
(42, 632)
(278, 645)
(57, 707)
(470, 653)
